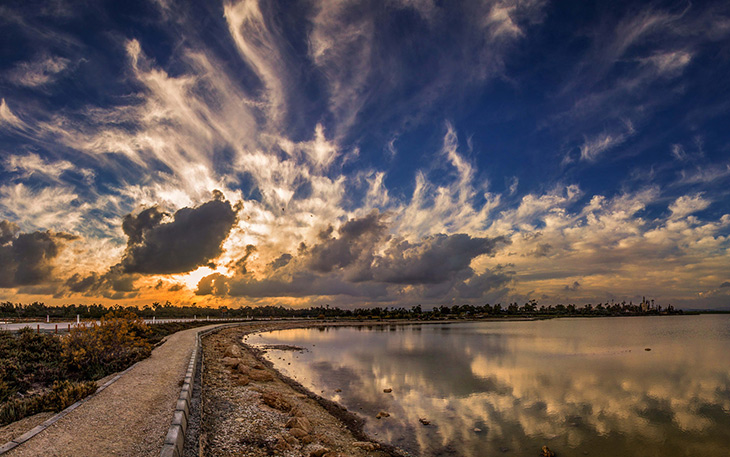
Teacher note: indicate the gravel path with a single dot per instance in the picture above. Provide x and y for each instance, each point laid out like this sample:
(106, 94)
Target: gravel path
(130, 418)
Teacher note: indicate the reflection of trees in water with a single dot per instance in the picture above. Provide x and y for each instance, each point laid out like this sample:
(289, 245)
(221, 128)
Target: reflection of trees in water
(521, 393)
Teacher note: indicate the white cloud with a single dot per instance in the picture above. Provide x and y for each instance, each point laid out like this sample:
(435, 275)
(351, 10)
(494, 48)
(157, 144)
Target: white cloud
(705, 174)
(688, 204)
(8, 117)
(29, 165)
(593, 147)
(39, 72)
(669, 63)
(678, 152)
(260, 45)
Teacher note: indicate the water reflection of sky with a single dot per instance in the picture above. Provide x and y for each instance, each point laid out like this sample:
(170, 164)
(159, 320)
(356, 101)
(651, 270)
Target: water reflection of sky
(507, 388)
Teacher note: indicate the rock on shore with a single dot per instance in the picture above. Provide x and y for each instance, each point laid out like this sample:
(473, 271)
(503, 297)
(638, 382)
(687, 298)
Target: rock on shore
(249, 410)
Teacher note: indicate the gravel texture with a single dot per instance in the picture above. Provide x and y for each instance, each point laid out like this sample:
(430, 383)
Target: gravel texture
(129, 418)
(250, 410)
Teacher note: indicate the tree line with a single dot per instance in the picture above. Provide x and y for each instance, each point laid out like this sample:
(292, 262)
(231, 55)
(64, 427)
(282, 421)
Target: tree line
(168, 310)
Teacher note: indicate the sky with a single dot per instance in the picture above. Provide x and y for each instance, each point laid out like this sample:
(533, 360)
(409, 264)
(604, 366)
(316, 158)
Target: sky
(365, 153)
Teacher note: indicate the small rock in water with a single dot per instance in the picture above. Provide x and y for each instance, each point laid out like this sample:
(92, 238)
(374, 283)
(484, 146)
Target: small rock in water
(546, 452)
(382, 414)
(388, 390)
(477, 430)
(647, 349)
(424, 421)
(338, 390)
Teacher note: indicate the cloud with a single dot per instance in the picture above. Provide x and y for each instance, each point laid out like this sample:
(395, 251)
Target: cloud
(669, 63)
(688, 204)
(705, 174)
(26, 259)
(360, 259)
(191, 239)
(32, 165)
(261, 46)
(355, 243)
(114, 284)
(7, 231)
(434, 260)
(281, 261)
(38, 72)
(573, 287)
(678, 152)
(593, 147)
(8, 117)
(725, 284)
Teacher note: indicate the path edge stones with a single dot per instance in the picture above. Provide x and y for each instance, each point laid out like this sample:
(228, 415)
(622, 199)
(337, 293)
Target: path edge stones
(175, 439)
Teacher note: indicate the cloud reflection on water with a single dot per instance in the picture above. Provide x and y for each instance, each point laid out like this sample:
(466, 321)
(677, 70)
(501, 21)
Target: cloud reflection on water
(577, 386)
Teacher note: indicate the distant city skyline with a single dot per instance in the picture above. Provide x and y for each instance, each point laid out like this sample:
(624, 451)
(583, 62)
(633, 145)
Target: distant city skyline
(245, 153)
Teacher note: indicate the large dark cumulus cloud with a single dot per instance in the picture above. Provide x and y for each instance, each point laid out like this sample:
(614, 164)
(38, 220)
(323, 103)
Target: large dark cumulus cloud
(26, 259)
(355, 243)
(161, 243)
(434, 260)
(362, 260)
(114, 284)
(191, 239)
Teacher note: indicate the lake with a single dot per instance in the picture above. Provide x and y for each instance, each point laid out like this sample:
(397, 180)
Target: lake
(582, 386)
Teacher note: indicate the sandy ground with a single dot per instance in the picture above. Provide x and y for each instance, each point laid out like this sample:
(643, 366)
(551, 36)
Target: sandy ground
(130, 418)
(250, 410)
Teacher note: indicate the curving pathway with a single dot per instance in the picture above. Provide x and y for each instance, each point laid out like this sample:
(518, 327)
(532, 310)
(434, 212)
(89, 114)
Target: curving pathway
(130, 417)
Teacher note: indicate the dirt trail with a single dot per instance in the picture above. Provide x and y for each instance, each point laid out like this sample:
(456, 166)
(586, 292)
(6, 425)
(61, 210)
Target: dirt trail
(129, 418)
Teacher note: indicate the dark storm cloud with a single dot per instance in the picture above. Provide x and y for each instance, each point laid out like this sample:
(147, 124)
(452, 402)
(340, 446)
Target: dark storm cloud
(115, 283)
(78, 283)
(725, 284)
(363, 261)
(436, 259)
(192, 239)
(300, 284)
(136, 226)
(281, 261)
(356, 240)
(27, 259)
(489, 281)
(573, 287)
(240, 265)
(7, 231)
(214, 284)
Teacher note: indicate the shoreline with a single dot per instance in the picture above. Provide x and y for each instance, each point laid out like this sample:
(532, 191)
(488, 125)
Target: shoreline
(351, 426)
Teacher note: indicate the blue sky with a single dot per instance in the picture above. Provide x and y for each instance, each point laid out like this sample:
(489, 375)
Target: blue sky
(365, 153)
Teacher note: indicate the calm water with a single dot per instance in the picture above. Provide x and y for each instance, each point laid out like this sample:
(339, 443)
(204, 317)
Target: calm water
(581, 386)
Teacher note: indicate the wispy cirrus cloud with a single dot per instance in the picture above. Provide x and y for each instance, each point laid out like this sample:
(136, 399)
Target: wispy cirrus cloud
(39, 72)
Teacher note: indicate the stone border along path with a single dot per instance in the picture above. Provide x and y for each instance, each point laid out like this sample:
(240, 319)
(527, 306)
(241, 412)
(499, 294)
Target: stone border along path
(175, 438)
(126, 415)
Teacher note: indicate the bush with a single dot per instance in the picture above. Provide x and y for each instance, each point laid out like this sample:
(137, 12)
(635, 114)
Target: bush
(62, 395)
(119, 341)
(28, 359)
(46, 372)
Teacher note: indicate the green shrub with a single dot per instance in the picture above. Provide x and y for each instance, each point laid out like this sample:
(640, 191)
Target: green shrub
(95, 351)
(62, 395)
